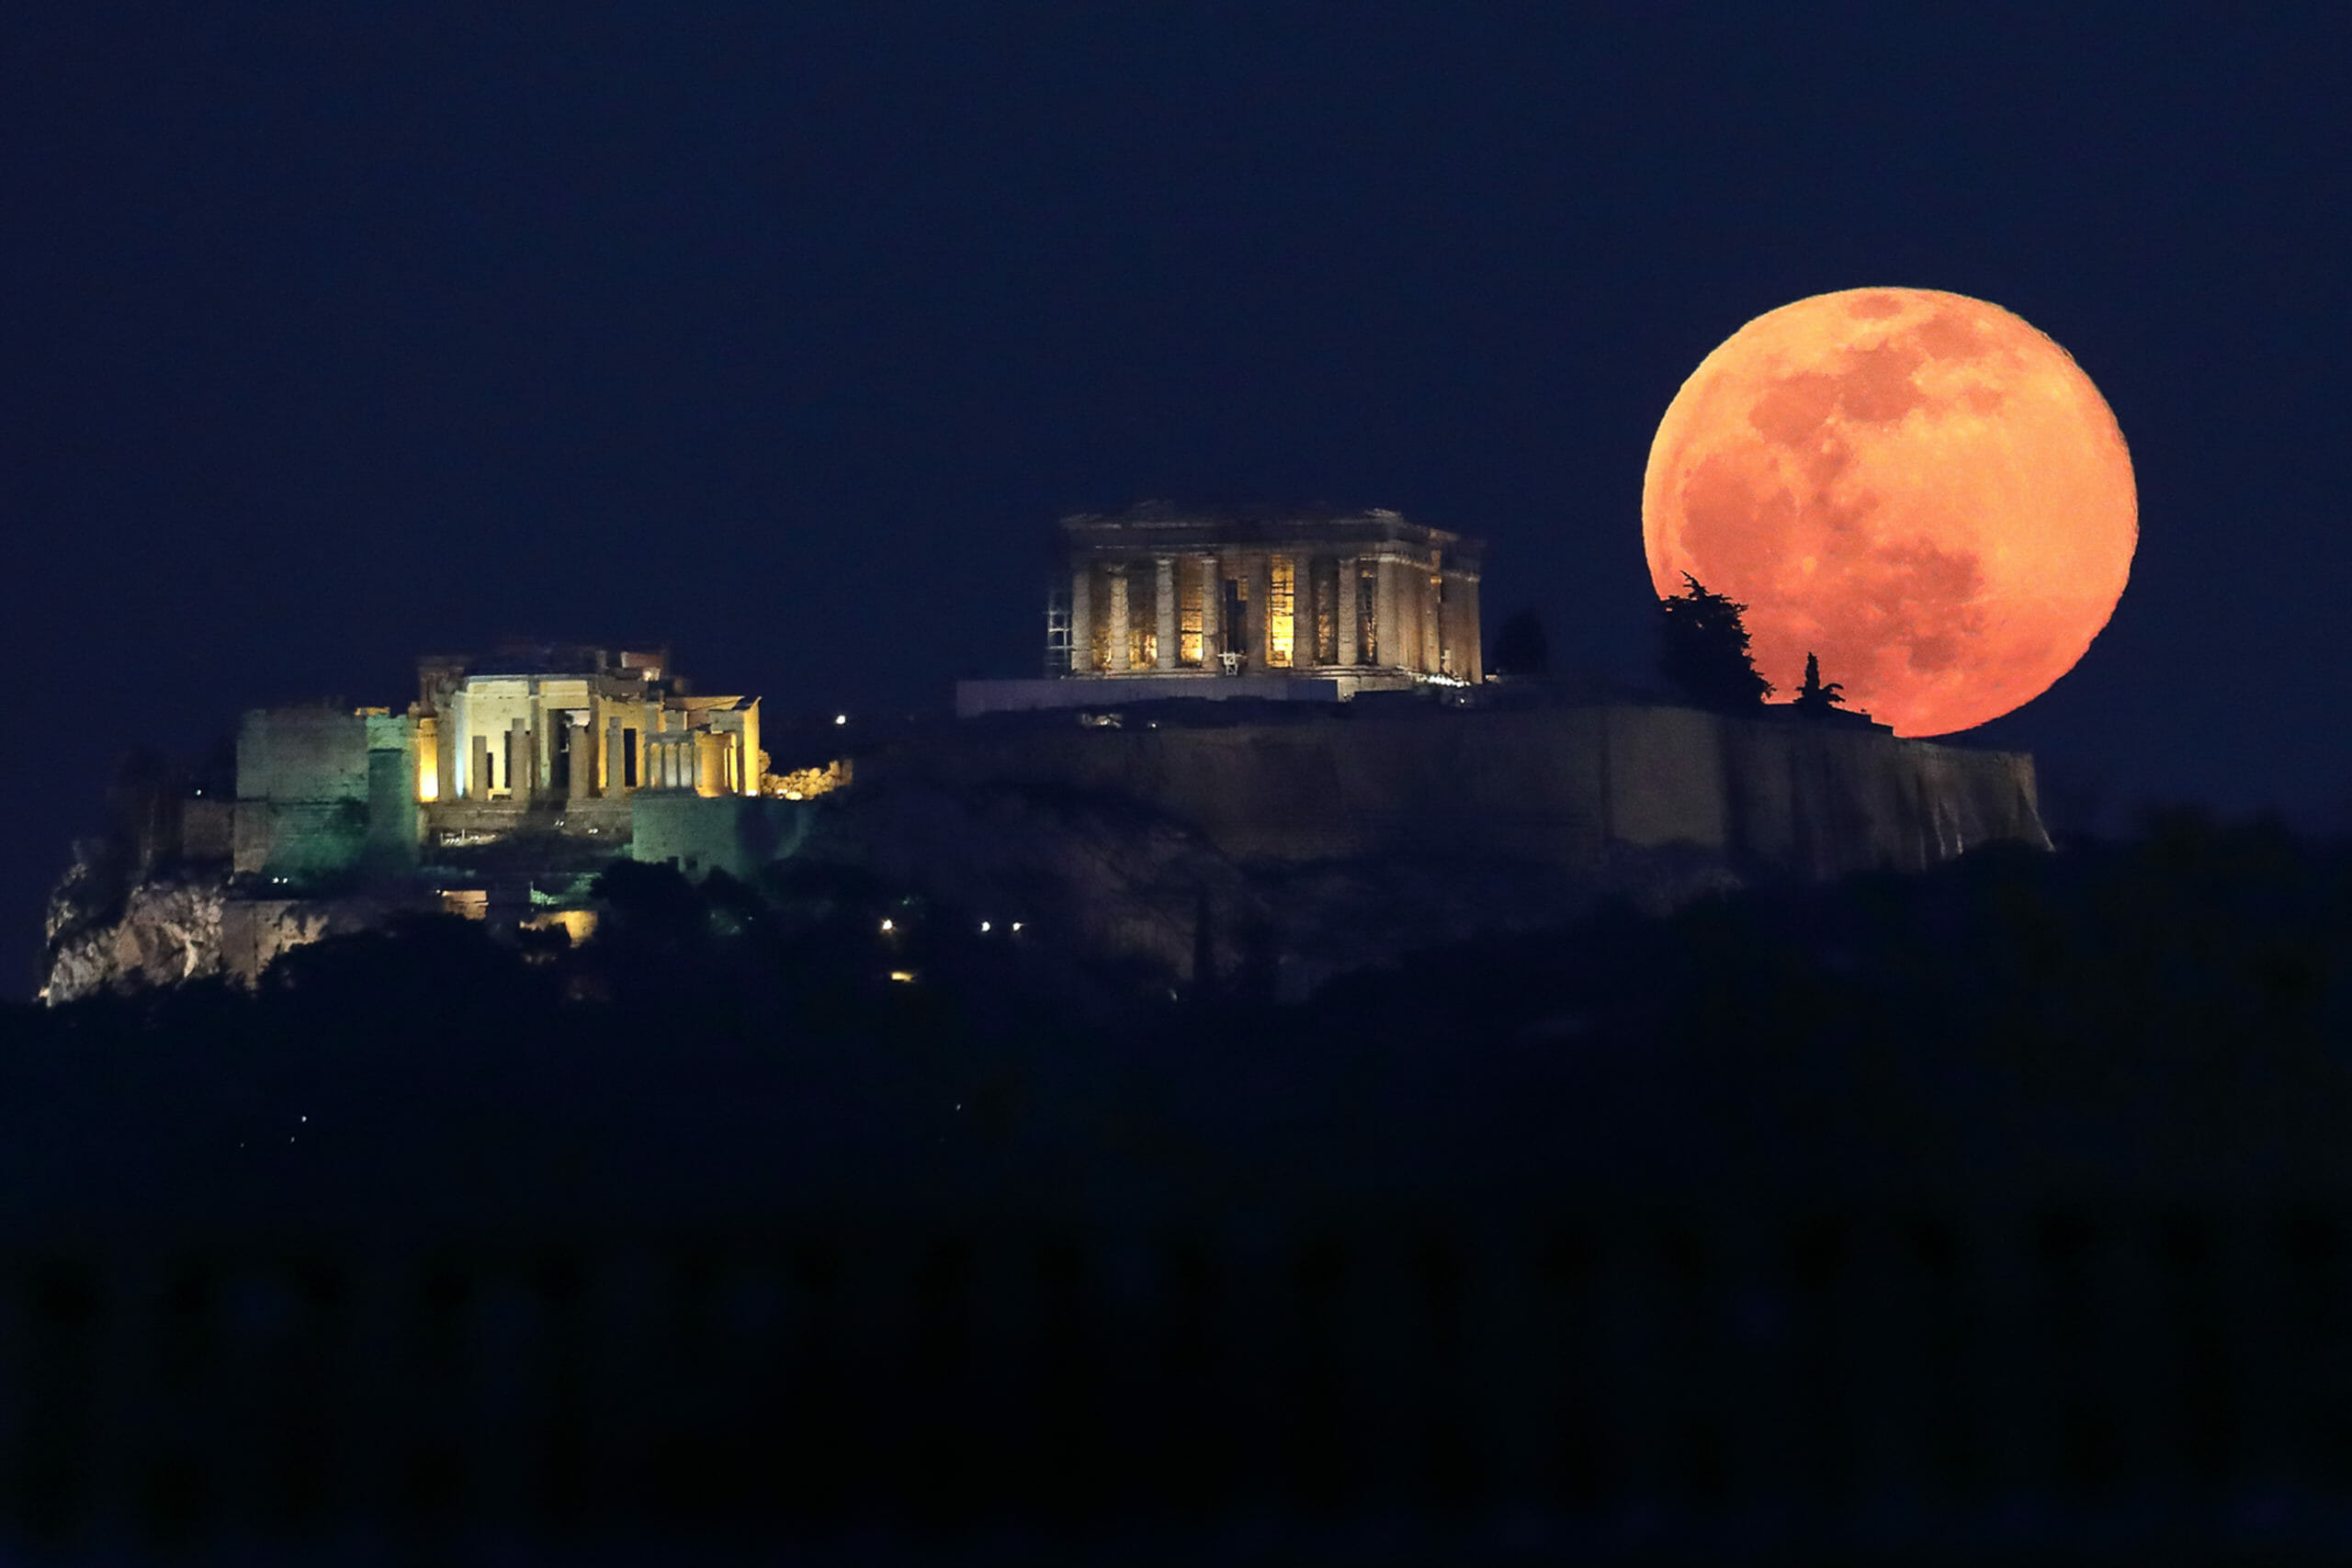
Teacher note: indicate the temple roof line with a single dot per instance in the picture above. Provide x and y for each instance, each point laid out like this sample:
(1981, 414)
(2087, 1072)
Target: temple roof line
(1165, 522)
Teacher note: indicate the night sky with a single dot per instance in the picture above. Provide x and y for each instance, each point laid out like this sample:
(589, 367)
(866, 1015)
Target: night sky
(781, 333)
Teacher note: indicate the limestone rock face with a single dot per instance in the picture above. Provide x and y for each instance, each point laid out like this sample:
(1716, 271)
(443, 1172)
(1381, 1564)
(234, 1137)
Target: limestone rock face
(168, 932)
(1107, 877)
(1307, 845)
(1120, 879)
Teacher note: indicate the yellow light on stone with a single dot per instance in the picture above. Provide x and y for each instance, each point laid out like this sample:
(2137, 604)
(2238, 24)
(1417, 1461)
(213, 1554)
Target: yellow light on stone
(807, 783)
(577, 924)
(1282, 620)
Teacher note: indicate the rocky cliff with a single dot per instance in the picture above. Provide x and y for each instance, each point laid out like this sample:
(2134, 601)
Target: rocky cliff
(1305, 844)
(1267, 851)
(183, 925)
(1558, 787)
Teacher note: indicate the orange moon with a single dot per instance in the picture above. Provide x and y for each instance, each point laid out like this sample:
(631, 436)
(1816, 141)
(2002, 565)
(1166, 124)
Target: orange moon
(1917, 485)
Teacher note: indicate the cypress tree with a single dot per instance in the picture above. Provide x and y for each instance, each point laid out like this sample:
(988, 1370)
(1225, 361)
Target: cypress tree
(1702, 648)
(1814, 698)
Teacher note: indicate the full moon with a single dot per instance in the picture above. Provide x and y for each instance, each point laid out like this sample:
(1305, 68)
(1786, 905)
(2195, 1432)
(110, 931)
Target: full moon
(1918, 487)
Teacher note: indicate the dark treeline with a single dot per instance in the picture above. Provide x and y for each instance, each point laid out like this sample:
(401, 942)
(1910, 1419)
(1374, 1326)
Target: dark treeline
(2174, 1008)
(1997, 1208)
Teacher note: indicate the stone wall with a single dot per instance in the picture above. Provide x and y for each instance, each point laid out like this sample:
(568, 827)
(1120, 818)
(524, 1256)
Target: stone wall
(395, 824)
(1552, 788)
(322, 792)
(700, 834)
(1294, 847)
(302, 753)
(302, 793)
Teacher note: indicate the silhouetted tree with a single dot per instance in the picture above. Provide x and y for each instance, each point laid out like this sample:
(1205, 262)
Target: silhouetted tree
(1815, 698)
(382, 969)
(1520, 646)
(1702, 648)
(652, 916)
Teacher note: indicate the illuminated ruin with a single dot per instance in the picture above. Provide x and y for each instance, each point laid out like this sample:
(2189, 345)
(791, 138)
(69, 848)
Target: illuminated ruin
(509, 782)
(532, 726)
(533, 739)
(1285, 604)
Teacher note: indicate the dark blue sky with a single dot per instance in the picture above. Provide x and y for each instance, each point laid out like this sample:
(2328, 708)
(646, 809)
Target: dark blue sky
(330, 335)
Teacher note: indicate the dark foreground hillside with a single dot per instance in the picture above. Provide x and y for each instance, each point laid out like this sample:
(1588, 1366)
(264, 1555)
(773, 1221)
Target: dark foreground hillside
(2001, 1211)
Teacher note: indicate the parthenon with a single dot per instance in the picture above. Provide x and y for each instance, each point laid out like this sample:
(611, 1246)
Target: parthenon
(1369, 599)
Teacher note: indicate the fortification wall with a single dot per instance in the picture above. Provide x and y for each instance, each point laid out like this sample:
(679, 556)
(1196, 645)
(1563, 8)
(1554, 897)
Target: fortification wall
(699, 834)
(302, 754)
(1552, 787)
(322, 792)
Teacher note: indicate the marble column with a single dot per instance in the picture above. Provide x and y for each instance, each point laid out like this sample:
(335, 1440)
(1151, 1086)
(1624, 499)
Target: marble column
(1259, 645)
(1082, 619)
(1212, 606)
(1449, 624)
(1118, 664)
(1302, 611)
(1408, 618)
(710, 764)
(1163, 606)
(477, 775)
(1343, 612)
(580, 754)
(1470, 661)
(614, 779)
(519, 781)
(1432, 641)
(1388, 647)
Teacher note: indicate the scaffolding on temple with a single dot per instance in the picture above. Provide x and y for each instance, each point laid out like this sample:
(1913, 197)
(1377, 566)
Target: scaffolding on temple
(1056, 629)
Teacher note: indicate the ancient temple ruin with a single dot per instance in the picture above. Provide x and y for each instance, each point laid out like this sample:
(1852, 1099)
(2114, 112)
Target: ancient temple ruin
(1285, 603)
(542, 724)
(500, 794)
(531, 739)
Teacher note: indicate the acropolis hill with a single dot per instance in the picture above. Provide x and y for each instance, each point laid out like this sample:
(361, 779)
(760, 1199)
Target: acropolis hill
(1265, 742)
